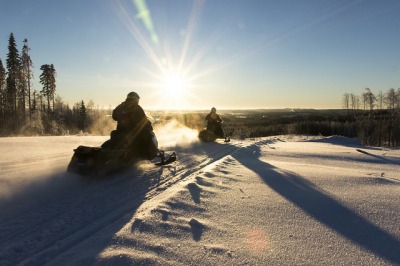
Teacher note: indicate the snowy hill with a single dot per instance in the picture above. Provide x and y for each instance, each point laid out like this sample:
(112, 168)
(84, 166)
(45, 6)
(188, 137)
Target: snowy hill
(283, 200)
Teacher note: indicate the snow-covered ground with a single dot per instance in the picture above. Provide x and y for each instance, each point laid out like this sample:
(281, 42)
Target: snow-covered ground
(285, 200)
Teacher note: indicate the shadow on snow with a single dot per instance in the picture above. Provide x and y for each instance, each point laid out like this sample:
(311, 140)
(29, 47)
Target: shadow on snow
(62, 214)
(323, 207)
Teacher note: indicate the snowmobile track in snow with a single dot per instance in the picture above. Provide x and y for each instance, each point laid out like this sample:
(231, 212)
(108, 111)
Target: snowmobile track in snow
(50, 227)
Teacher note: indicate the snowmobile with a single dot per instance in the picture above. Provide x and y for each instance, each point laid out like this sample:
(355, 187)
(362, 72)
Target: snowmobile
(212, 132)
(100, 161)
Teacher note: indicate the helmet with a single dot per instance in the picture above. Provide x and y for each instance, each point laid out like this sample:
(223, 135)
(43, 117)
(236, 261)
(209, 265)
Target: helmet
(133, 95)
(213, 109)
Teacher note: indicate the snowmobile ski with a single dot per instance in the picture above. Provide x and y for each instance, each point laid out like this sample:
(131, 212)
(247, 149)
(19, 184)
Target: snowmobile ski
(165, 161)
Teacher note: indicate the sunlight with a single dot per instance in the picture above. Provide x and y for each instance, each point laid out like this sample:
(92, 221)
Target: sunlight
(174, 85)
(172, 79)
(173, 89)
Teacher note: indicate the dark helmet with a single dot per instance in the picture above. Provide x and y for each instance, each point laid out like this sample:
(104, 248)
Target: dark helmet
(133, 95)
(213, 109)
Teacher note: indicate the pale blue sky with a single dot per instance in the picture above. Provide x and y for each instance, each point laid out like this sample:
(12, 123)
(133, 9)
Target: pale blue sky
(233, 53)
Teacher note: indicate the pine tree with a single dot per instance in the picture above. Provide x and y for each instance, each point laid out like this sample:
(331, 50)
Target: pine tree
(2, 76)
(13, 81)
(48, 80)
(82, 116)
(2, 95)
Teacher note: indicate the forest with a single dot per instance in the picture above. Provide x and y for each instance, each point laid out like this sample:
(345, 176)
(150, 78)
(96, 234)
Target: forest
(27, 112)
(374, 128)
(373, 118)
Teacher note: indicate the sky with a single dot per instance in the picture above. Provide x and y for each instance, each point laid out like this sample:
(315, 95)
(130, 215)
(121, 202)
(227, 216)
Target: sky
(228, 54)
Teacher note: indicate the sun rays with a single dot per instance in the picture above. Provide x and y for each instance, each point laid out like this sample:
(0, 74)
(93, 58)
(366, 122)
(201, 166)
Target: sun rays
(171, 79)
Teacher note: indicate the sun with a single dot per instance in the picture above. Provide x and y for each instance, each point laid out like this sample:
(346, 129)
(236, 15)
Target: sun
(172, 89)
(174, 85)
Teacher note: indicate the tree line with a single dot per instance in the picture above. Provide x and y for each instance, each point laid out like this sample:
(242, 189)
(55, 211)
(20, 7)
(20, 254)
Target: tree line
(26, 111)
(368, 101)
(376, 116)
(373, 118)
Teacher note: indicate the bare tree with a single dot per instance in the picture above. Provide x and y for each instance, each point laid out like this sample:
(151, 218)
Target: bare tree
(380, 100)
(390, 99)
(346, 101)
(53, 75)
(27, 74)
(369, 99)
(353, 101)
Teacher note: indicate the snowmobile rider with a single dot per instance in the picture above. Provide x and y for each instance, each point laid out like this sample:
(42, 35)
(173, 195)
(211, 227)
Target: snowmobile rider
(134, 130)
(214, 123)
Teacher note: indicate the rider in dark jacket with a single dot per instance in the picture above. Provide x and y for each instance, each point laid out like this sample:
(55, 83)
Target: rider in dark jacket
(214, 123)
(134, 130)
(130, 115)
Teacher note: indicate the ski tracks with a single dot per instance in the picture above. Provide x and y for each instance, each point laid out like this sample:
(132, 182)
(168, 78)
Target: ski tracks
(70, 213)
(180, 213)
(189, 163)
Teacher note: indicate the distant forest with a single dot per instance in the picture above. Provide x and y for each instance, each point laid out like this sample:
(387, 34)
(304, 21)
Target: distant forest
(24, 111)
(373, 118)
(379, 121)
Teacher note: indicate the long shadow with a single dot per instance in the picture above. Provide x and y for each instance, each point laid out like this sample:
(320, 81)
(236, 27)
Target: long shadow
(386, 160)
(194, 192)
(371, 159)
(197, 229)
(73, 209)
(341, 141)
(323, 207)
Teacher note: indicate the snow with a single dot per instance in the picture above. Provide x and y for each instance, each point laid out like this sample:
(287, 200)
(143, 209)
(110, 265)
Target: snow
(283, 200)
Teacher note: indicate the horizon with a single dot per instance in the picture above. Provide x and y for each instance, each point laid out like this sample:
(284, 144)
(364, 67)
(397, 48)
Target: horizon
(228, 109)
(195, 55)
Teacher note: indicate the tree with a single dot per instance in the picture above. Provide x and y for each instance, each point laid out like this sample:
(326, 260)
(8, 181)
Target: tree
(48, 80)
(354, 102)
(2, 94)
(380, 100)
(13, 79)
(27, 74)
(36, 121)
(369, 99)
(2, 76)
(346, 101)
(397, 98)
(53, 75)
(82, 115)
(390, 99)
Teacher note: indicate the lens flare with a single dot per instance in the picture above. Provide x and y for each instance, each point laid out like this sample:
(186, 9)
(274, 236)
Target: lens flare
(175, 76)
(144, 15)
(256, 241)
